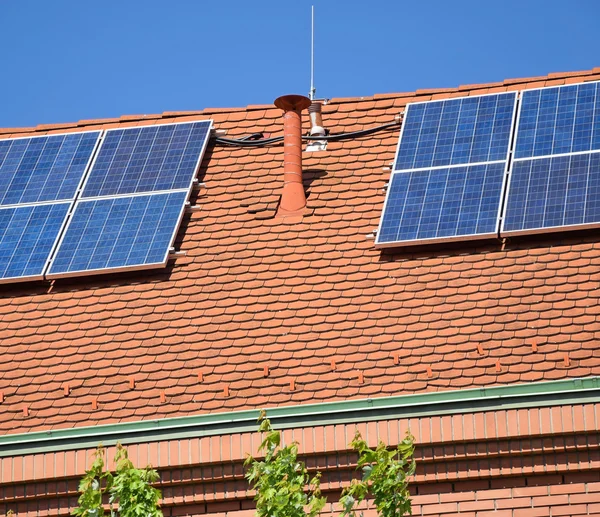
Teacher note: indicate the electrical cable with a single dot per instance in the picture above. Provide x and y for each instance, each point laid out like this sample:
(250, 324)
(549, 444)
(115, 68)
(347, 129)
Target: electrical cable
(249, 141)
(352, 134)
(253, 136)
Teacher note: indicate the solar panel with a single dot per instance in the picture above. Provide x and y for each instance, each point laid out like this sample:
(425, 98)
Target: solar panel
(554, 193)
(450, 166)
(118, 233)
(44, 168)
(559, 120)
(438, 203)
(147, 159)
(456, 131)
(27, 236)
(555, 174)
(133, 200)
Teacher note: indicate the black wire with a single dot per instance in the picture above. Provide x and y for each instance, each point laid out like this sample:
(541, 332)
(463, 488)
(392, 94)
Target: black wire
(352, 134)
(245, 142)
(248, 143)
(253, 136)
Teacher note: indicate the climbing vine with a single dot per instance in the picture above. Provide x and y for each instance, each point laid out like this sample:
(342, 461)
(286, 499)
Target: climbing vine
(385, 476)
(128, 492)
(280, 479)
(285, 489)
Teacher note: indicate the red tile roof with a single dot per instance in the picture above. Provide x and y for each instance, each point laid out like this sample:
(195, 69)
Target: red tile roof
(311, 299)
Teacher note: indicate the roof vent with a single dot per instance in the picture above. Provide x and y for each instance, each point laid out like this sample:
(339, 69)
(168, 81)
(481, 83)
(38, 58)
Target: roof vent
(293, 199)
(316, 127)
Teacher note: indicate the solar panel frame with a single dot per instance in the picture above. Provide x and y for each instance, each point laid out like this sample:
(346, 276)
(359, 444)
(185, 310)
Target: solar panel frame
(174, 124)
(85, 169)
(135, 267)
(533, 158)
(154, 265)
(457, 238)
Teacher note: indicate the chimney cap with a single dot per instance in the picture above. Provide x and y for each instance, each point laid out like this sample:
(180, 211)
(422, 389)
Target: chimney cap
(292, 102)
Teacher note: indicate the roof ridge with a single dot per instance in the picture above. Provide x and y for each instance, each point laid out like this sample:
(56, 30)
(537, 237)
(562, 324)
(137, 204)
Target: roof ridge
(334, 100)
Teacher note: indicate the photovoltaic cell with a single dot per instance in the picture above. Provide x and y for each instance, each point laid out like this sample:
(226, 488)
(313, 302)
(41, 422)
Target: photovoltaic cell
(554, 193)
(456, 131)
(27, 235)
(119, 233)
(46, 168)
(559, 120)
(147, 159)
(440, 203)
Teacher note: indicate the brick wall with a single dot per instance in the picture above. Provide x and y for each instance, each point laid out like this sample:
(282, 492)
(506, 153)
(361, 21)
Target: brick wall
(538, 496)
(545, 469)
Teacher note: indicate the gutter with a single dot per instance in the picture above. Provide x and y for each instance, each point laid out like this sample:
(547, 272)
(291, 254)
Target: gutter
(514, 396)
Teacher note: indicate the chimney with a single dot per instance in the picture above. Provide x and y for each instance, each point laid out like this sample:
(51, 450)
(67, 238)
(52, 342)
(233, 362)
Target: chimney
(293, 199)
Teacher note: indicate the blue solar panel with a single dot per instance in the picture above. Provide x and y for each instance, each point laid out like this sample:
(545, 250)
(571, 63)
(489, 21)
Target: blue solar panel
(27, 236)
(47, 168)
(147, 159)
(555, 175)
(119, 233)
(456, 131)
(437, 204)
(449, 172)
(559, 120)
(554, 193)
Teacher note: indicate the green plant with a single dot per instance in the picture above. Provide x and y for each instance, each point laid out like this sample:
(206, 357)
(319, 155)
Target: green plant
(129, 490)
(386, 476)
(280, 479)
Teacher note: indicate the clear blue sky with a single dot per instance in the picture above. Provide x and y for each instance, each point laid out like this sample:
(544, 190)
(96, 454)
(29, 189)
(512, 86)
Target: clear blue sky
(65, 60)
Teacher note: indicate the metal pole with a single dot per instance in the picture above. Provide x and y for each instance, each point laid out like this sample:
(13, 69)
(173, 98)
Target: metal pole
(311, 94)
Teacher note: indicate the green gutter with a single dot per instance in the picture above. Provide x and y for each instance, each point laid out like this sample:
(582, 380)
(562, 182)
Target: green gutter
(538, 394)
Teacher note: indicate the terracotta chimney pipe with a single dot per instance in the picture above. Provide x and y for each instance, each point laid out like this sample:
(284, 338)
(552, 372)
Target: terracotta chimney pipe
(293, 199)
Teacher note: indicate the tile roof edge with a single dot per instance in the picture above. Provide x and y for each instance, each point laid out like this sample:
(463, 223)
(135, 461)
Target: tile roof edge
(534, 394)
(334, 100)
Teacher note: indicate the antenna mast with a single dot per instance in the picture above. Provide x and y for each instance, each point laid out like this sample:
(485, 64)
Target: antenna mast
(311, 93)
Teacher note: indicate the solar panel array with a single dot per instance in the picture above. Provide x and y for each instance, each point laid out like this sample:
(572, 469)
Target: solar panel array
(39, 179)
(448, 177)
(449, 182)
(77, 204)
(555, 177)
(133, 200)
(66, 212)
